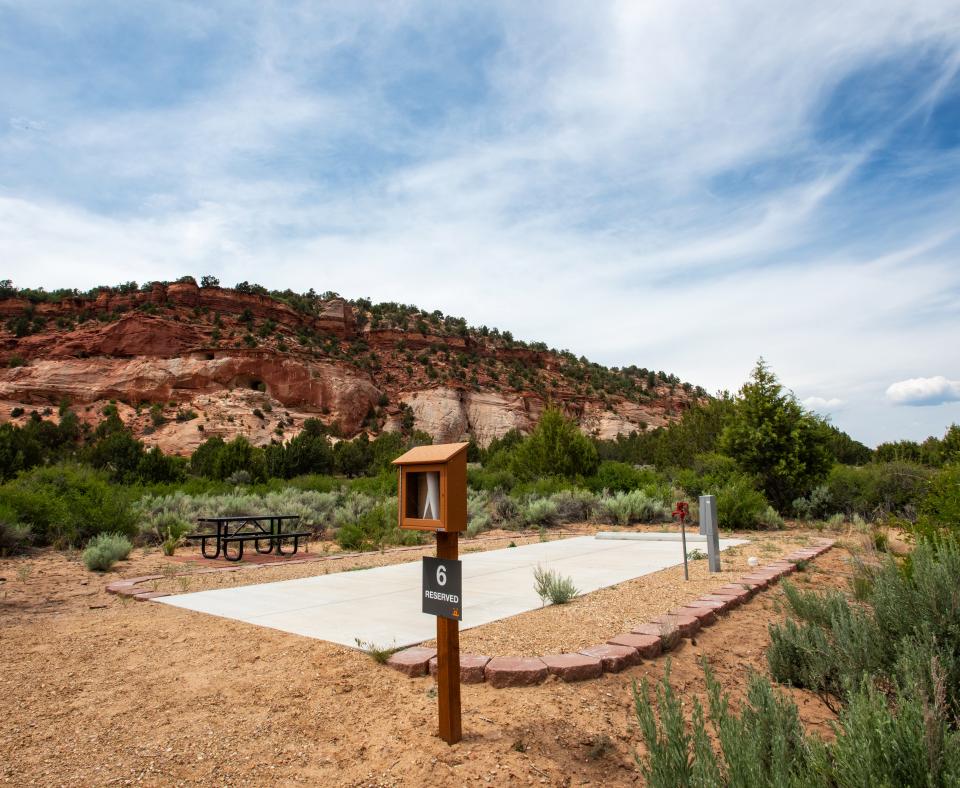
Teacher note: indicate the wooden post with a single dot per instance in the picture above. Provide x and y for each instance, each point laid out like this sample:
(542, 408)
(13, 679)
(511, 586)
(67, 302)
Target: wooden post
(448, 655)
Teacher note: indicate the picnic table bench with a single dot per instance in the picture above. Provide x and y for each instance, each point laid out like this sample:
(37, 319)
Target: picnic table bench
(243, 528)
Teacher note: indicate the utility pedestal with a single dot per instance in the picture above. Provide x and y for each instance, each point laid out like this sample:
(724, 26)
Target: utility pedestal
(708, 527)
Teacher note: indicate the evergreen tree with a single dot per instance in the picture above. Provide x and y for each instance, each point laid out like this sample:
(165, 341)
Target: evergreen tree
(203, 459)
(309, 452)
(771, 436)
(555, 448)
(352, 458)
(239, 455)
(117, 452)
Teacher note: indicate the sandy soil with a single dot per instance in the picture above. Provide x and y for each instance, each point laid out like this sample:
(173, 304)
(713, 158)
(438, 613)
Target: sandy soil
(97, 690)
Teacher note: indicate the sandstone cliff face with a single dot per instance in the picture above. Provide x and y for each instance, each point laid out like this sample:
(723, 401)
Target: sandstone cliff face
(252, 365)
(451, 415)
(319, 387)
(132, 335)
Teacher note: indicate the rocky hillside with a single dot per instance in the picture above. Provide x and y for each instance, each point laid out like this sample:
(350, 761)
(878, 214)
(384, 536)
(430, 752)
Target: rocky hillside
(185, 362)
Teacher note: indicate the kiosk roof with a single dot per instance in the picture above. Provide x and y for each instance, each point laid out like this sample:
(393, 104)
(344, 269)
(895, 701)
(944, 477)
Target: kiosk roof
(429, 455)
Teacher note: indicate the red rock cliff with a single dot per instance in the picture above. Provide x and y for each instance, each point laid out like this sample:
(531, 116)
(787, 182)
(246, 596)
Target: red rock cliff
(231, 363)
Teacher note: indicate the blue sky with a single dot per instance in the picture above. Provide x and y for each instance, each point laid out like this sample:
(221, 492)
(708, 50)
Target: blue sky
(684, 186)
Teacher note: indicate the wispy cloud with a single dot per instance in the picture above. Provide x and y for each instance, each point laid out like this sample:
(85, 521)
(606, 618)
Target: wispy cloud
(668, 184)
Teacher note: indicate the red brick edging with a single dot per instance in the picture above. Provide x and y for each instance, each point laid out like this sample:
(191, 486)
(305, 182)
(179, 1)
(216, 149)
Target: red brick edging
(646, 641)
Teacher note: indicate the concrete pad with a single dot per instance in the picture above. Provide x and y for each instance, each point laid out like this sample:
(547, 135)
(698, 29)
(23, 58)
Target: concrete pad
(382, 605)
(644, 536)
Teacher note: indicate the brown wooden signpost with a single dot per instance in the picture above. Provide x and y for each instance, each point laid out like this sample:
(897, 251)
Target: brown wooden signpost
(433, 497)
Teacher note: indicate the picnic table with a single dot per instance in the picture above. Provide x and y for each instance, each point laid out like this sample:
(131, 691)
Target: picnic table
(256, 528)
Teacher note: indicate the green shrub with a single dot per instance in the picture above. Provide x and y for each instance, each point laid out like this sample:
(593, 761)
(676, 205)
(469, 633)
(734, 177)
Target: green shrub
(484, 479)
(98, 559)
(15, 537)
(543, 487)
(317, 510)
(538, 511)
(909, 618)
(815, 506)
(831, 645)
(379, 654)
(617, 477)
(551, 585)
(240, 478)
(383, 485)
(104, 550)
(374, 529)
(116, 544)
(68, 504)
(479, 517)
(634, 506)
(574, 506)
(739, 505)
(908, 742)
(173, 535)
(709, 472)
(836, 521)
(155, 466)
(878, 489)
(157, 419)
(940, 507)
(763, 745)
(770, 518)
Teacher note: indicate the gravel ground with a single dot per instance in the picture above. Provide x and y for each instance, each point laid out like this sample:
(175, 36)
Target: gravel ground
(100, 691)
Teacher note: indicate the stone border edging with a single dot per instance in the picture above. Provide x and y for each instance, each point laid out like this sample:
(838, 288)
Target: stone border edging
(646, 641)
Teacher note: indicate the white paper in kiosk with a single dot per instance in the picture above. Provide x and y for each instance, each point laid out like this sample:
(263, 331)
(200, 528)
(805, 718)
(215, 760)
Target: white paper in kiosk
(428, 503)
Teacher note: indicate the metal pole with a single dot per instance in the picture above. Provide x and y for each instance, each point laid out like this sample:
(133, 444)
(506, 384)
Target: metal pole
(683, 537)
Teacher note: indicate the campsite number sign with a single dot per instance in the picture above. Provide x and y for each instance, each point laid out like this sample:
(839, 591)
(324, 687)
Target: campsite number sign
(443, 588)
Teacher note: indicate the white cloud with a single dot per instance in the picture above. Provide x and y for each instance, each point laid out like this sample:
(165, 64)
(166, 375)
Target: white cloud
(924, 391)
(574, 201)
(821, 405)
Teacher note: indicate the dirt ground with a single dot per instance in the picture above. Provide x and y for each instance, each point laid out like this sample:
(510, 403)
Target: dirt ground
(96, 690)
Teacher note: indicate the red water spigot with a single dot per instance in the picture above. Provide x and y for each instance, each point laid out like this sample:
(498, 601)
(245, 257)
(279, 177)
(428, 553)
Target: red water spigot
(682, 510)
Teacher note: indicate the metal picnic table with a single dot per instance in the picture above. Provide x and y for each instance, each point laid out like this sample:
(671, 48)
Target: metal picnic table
(246, 528)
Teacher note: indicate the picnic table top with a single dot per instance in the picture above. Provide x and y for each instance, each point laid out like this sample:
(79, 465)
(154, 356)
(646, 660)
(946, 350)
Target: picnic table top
(245, 517)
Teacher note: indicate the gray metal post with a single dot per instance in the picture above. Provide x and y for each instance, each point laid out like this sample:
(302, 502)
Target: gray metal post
(708, 526)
